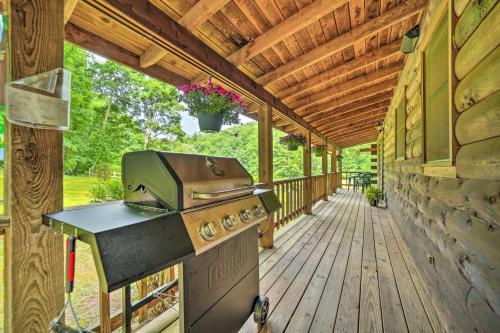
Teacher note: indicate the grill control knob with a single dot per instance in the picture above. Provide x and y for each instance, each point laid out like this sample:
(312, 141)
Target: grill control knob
(246, 215)
(207, 231)
(258, 210)
(229, 222)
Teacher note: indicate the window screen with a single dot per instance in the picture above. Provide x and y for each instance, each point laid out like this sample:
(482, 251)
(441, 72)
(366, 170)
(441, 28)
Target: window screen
(436, 95)
(401, 129)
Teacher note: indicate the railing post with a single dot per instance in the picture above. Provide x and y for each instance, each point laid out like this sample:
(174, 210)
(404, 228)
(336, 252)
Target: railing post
(266, 165)
(340, 168)
(334, 169)
(307, 173)
(324, 167)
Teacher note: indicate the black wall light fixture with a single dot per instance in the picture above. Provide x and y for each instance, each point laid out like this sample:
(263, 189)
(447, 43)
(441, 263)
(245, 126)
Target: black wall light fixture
(410, 40)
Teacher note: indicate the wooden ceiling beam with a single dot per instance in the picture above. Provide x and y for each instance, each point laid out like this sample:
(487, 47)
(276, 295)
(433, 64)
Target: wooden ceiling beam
(102, 47)
(356, 82)
(162, 30)
(377, 116)
(152, 55)
(348, 67)
(359, 33)
(316, 112)
(374, 116)
(352, 130)
(355, 140)
(69, 8)
(201, 12)
(349, 113)
(291, 25)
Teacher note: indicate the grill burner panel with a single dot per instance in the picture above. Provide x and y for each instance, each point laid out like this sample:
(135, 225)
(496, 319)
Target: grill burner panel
(224, 221)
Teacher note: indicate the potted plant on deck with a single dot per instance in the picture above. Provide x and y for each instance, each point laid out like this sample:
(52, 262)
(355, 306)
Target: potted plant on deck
(212, 104)
(318, 149)
(373, 195)
(293, 141)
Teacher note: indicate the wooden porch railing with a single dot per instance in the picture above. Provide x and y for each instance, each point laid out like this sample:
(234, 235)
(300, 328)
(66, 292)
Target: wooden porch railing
(346, 177)
(318, 187)
(290, 193)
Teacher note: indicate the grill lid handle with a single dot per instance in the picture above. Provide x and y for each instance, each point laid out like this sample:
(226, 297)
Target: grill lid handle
(222, 194)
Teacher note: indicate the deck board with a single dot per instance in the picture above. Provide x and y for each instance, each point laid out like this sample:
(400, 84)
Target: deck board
(343, 269)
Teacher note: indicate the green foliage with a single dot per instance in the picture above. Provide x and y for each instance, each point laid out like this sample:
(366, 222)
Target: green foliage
(114, 110)
(107, 190)
(373, 195)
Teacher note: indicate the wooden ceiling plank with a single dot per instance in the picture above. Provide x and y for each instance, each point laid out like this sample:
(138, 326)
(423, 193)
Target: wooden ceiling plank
(316, 112)
(387, 19)
(346, 68)
(352, 130)
(69, 8)
(374, 115)
(357, 82)
(201, 12)
(291, 25)
(354, 140)
(165, 32)
(354, 114)
(98, 45)
(152, 55)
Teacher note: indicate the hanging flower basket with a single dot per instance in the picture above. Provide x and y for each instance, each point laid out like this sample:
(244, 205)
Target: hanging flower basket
(339, 157)
(318, 149)
(293, 141)
(213, 105)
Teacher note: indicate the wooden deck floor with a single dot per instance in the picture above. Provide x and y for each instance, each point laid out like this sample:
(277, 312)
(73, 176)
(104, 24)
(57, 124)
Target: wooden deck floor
(344, 269)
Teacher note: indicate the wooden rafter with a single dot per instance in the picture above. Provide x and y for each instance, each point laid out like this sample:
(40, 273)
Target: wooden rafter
(357, 82)
(357, 137)
(374, 92)
(353, 130)
(381, 22)
(357, 108)
(291, 25)
(201, 12)
(151, 55)
(377, 116)
(100, 46)
(69, 8)
(358, 140)
(162, 30)
(348, 67)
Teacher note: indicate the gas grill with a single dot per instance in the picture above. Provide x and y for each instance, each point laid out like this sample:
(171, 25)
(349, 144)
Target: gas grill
(202, 212)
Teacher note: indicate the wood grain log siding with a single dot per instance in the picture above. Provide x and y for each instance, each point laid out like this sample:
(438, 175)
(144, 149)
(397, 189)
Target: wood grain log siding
(34, 179)
(452, 225)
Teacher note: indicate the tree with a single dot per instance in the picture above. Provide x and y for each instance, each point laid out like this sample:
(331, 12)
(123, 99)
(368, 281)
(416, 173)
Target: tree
(156, 110)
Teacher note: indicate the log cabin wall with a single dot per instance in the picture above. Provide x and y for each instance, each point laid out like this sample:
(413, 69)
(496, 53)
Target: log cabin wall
(450, 215)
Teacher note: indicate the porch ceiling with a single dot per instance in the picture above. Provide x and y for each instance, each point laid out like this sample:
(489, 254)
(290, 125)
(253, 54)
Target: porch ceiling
(326, 65)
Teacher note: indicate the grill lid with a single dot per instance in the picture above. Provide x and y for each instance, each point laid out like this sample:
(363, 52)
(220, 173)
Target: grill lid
(182, 181)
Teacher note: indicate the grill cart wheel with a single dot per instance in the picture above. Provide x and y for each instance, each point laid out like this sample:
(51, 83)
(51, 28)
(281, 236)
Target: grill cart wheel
(260, 310)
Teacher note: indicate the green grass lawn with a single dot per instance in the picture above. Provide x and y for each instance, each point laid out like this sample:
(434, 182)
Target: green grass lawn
(76, 192)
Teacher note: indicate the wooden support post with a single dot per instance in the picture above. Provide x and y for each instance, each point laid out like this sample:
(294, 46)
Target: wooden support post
(340, 169)
(34, 254)
(334, 169)
(324, 167)
(104, 312)
(307, 173)
(143, 292)
(266, 165)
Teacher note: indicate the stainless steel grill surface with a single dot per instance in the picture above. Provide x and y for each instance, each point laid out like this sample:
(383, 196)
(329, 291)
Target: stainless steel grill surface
(202, 212)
